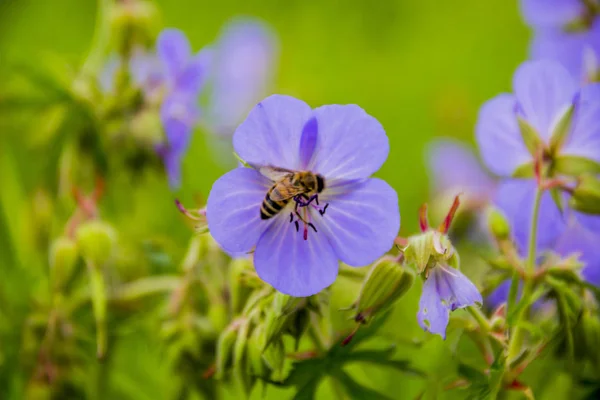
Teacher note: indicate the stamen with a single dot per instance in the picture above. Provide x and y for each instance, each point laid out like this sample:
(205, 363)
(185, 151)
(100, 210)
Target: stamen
(297, 226)
(423, 222)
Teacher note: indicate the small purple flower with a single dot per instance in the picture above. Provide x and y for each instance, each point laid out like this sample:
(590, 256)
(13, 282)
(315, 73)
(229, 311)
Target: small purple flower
(244, 68)
(354, 219)
(176, 77)
(446, 289)
(567, 31)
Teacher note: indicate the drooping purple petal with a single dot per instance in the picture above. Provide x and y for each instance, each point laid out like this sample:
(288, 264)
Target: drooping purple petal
(244, 61)
(499, 295)
(194, 74)
(308, 142)
(515, 198)
(271, 133)
(544, 90)
(551, 13)
(452, 165)
(584, 139)
(106, 78)
(351, 144)
(578, 239)
(291, 264)
(146, 71)
(172, 160)
(361, 223)
(178, 116)
(499, 138)
(233, 209)
(445, 290)
(174, 52)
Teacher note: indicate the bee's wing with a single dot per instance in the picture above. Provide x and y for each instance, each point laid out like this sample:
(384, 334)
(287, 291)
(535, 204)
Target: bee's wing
(275, 173)
(285, 192)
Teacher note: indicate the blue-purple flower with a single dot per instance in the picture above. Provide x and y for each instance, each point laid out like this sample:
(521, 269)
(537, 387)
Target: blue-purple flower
(354, 219)
(173, 77)
(567, 31)
(446, 289)
(544, 95)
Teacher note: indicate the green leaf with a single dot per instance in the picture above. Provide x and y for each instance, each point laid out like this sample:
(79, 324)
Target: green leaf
(514, 312)
(472, 374)
(575, 166)
(530, 137)
(355, 390)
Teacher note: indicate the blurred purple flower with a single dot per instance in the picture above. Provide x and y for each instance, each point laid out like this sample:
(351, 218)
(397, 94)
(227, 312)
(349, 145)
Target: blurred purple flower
(176, 77)
(454, 168)
(361, 219)
(446, 289)
(567, 31)
(244, 68)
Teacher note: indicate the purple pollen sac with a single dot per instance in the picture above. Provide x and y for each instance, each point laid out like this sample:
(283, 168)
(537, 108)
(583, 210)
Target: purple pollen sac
(301, 213)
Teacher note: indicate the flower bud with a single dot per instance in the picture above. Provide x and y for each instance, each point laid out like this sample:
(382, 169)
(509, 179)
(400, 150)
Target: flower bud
(133, 22)
(256, 364)
(385, 283)
(586, 196)
(274, 356)
(428, 248)
(498, 224)
(96, 241)
(62, 259)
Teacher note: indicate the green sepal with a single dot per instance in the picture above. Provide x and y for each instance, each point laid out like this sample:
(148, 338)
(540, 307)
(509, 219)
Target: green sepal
(524, 171)
(575, 165)
(561, 130)
(530, 136)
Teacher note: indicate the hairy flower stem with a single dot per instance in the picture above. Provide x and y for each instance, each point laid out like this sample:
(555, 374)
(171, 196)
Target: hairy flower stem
(516, 338)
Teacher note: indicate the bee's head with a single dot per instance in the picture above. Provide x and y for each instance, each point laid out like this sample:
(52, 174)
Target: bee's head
(320, 183)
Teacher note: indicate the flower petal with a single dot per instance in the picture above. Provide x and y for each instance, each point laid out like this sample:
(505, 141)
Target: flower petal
(245, 57)
(544, 89)
(589, 221)
(351, 144)
(456, 289)
(433, 315)
(551, 13)
(584, 140)
(174, 51)
(233, 209)
(361, 223)
(516, 199)
(193, 76)
(308, 142)
(178, 116)
(452, 166)
(271, 133)
(577, 239)
(172, 161)
(498, 136)
(291, 264)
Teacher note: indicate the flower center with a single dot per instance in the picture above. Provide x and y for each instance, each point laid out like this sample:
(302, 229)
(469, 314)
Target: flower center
(301, 212)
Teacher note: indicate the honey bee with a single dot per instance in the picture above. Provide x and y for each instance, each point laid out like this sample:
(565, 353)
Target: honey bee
(302, 186)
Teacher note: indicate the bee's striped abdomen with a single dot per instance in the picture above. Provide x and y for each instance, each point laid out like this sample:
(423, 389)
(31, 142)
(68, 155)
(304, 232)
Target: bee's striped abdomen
(270, 208)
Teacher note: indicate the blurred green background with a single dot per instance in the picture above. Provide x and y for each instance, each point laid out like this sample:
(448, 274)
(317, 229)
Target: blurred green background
(422, 68)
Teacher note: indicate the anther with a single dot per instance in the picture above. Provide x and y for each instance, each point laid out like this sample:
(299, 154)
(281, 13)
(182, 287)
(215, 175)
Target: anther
(312, 226)
(297, 226)
(322, 212)
(291, 217)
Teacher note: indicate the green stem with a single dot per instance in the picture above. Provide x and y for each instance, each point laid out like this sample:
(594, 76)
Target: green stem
(516, 339)
(480, 318)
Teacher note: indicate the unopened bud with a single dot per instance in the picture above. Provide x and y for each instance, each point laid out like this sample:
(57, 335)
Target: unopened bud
(498, 224)
(274, 356)
(133, 22)
(256, 363)
(428, 248)
(586, 195)
(385, 283)
(96, 241)
(238, 290)
(62, 258)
